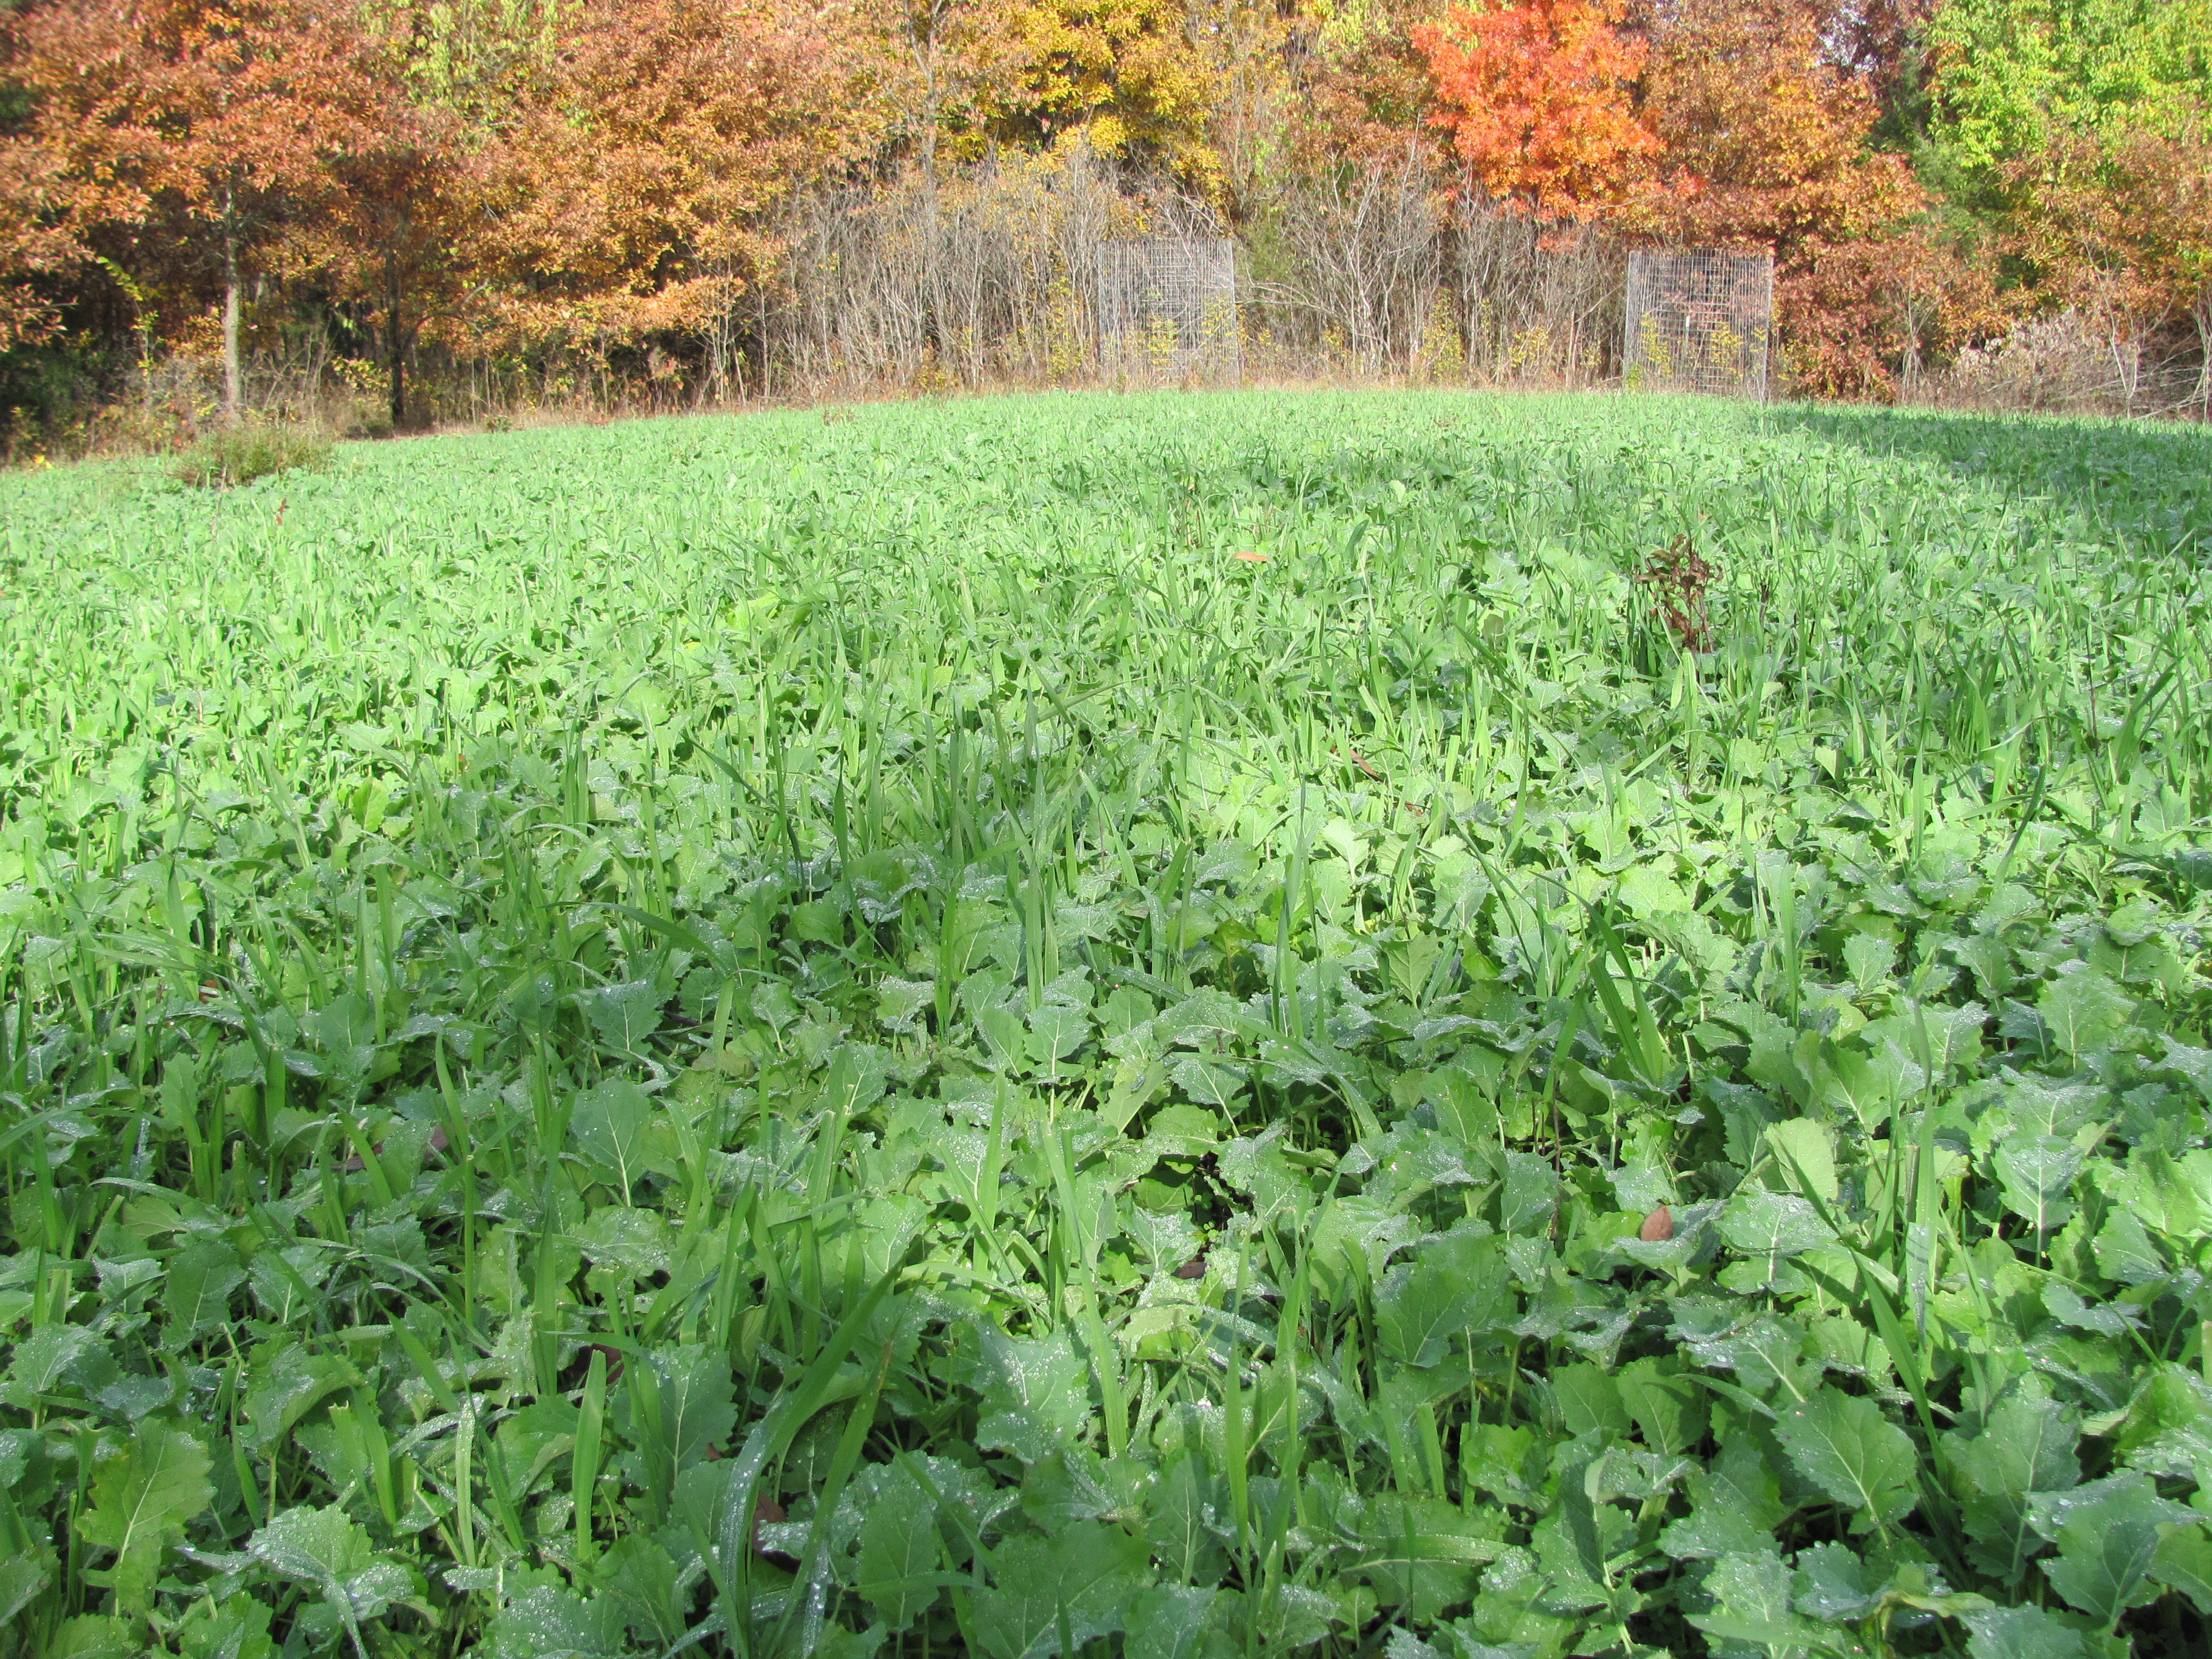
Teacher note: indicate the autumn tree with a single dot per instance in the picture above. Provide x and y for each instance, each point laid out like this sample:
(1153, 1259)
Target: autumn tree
(2117, 226)
(633, 198)
(945, 68)
(1361, 95)
(1122, 73)
(1768, 146)
(41, 219)
(2076, 131)
(1536, 99)
(400, 250)
(1766, 138)
(197, 124)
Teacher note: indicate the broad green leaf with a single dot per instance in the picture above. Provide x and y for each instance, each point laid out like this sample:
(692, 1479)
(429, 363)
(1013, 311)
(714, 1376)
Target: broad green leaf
(2184, 1560)
(2084, 1010)
(1807, 1154)
(1835, 1586)
(836, 1642)
(321, 1547)
(2171, 1195)
(141, 1500)
(545, 1623)
(237, 1627)
(1006, 1038)
(625, 1015)
(1055, 1032)
(195, 1295)
(1086, 1576)
(1857, 1085)
(641, 1582)
(2036, 1173)
(1209, 1082)
(1588, 1398)
(43, 1358)
(293, 1382)
(1183, 1515)
(2025, 1633)
(1844, 1444)
(698, 1405)
(285, 1281)
(1037, 1393)
(637, 1243)
(1531, 1193)
(1421, 1307)
(90, 1636)
(1736, 1505)
(1752, 1604)
(1177, 1621)
(2193, 1065)
(610, 1124)
(2108, 1535)
(2026, 1445)
(1419, 1558)
(1776, 1225)
(1668, 1409)
(901, 1003)
(1991, 960)
(2105, 1319)
(854, 1078)
(899, 1553)
(23, 1575)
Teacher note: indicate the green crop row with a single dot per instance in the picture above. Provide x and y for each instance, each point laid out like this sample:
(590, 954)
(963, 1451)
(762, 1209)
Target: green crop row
(1184, 1026)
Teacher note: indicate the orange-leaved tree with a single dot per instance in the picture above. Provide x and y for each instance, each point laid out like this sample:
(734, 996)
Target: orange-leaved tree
(174, 126)
(1536, 99)
(1768, 146)
(38, 245)
(633, 198)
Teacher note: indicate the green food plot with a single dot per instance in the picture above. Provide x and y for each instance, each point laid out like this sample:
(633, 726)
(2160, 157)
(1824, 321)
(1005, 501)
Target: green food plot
(772, 1036)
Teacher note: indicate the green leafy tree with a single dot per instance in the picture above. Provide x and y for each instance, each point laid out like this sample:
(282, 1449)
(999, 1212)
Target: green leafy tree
(2010, 75)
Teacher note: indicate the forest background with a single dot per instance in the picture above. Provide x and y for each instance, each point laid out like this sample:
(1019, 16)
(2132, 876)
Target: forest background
(390, 213)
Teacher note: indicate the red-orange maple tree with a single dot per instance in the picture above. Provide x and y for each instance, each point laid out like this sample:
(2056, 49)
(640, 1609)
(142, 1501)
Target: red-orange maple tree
(1536, 99)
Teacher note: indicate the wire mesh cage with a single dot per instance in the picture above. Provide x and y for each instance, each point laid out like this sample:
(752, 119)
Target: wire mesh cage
(1167, 310)
(1700, 320)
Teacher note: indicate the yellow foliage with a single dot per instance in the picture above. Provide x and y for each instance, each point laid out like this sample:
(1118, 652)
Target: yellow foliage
(1123, 74)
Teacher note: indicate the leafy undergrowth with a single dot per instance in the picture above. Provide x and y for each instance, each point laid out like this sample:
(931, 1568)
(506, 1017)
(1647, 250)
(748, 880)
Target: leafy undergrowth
(748, 1036)
(237, 455)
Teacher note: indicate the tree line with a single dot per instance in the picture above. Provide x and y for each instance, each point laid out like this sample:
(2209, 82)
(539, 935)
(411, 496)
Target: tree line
(623, 190)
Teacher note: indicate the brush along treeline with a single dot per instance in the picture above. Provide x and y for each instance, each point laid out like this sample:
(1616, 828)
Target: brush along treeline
(778, 1037)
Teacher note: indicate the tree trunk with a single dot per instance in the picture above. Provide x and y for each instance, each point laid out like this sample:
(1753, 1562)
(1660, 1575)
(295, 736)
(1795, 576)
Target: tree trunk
(396, 340)
(232, 381)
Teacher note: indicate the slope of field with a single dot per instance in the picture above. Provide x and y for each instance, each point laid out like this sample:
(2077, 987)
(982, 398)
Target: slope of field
(1176, 1026)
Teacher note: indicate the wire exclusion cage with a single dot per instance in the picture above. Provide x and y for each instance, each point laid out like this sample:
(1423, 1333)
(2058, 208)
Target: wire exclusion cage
(1167, 310)
(1698, 320)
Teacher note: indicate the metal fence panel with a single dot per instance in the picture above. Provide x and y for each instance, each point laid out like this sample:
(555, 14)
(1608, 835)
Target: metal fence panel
(1167, 310)
(1700, 320)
